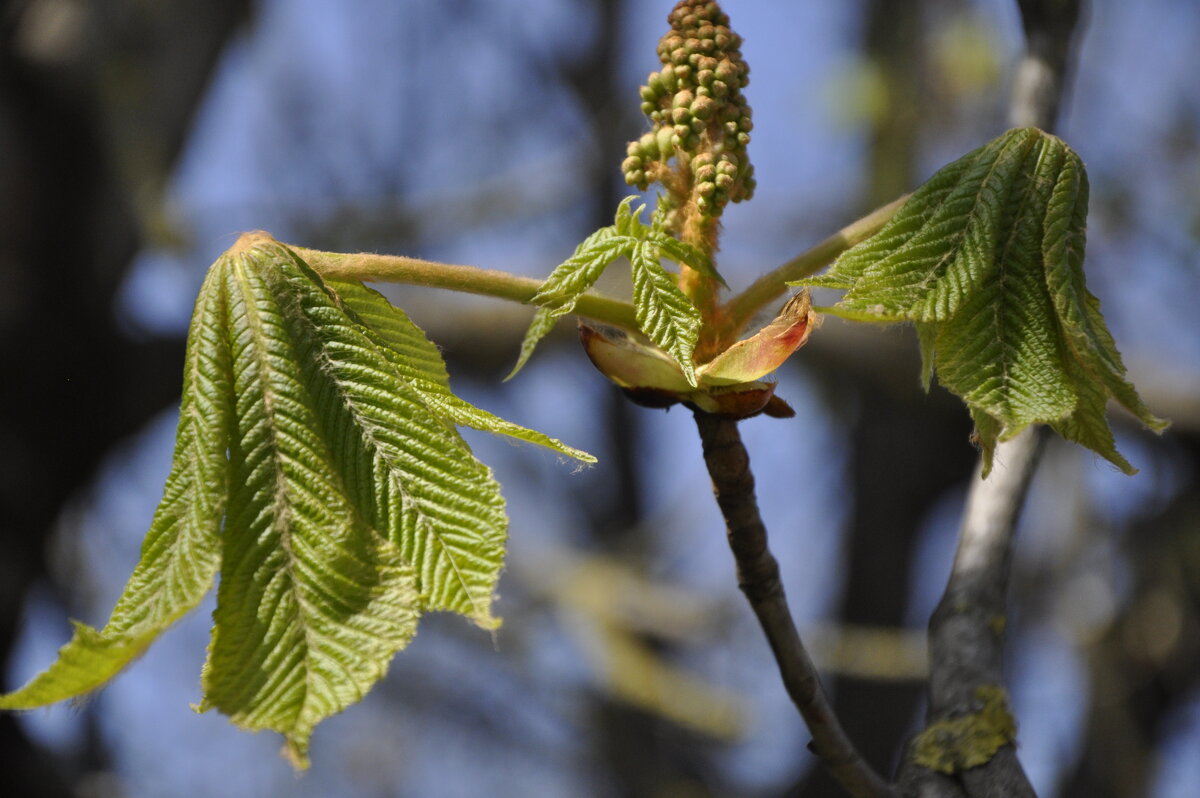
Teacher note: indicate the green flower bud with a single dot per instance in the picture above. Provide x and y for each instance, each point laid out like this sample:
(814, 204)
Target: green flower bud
(648, 108)
(631, 164)
(682, 99)
(681, 116)
(664, 142)
(723, 181)
(705, 78)
(705, 189)
(703, 107)
(720, 88)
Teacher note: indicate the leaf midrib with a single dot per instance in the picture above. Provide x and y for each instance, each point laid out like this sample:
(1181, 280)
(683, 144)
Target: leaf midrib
(283, 510)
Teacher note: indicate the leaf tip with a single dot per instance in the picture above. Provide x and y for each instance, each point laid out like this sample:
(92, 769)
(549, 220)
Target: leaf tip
(250, 240)
(295, 751)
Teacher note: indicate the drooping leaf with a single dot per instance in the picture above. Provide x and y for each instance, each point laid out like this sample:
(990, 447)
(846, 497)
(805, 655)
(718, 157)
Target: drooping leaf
(319, 465)
(664, 312)
(316, 595)
(181, 552)
(417, 360)
(987, 260)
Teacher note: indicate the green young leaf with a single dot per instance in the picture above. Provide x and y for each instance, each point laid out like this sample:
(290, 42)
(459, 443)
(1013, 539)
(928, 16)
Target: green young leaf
(181, 551)
(540, 326)
(319, 466)
(316, 592)
(354, 507)
(664, 312)
(417, 360)
(627, 222)
(672, 248)
(569, 280)
(987, 260)
(628, 235)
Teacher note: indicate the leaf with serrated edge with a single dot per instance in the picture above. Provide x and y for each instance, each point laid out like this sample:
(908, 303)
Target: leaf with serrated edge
(664, 312)
(626, 221)
(1001, 353)
(930, 275)
(574, 276)
(680, 252)
(354, 508)
(540, 326)
(987, 259)
(417, 360)
(1078, 310)
(181, 552)
(571, 278)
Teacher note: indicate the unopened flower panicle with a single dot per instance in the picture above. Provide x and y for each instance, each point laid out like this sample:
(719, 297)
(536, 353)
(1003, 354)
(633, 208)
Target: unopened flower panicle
(700, 118)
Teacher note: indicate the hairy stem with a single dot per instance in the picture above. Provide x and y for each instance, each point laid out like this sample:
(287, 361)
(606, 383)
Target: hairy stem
(772, 285)
(758, 577)
(369, 267)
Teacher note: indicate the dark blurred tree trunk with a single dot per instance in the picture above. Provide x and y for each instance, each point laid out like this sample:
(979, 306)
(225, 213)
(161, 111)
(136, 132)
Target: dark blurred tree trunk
(1148, 662)
(74, 383)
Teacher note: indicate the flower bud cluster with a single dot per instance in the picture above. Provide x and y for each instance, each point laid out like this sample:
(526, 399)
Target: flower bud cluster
(698, 113)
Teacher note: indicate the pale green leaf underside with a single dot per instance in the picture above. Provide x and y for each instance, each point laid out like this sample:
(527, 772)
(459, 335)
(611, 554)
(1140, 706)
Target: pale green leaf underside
(318, 465)
(987, 260)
